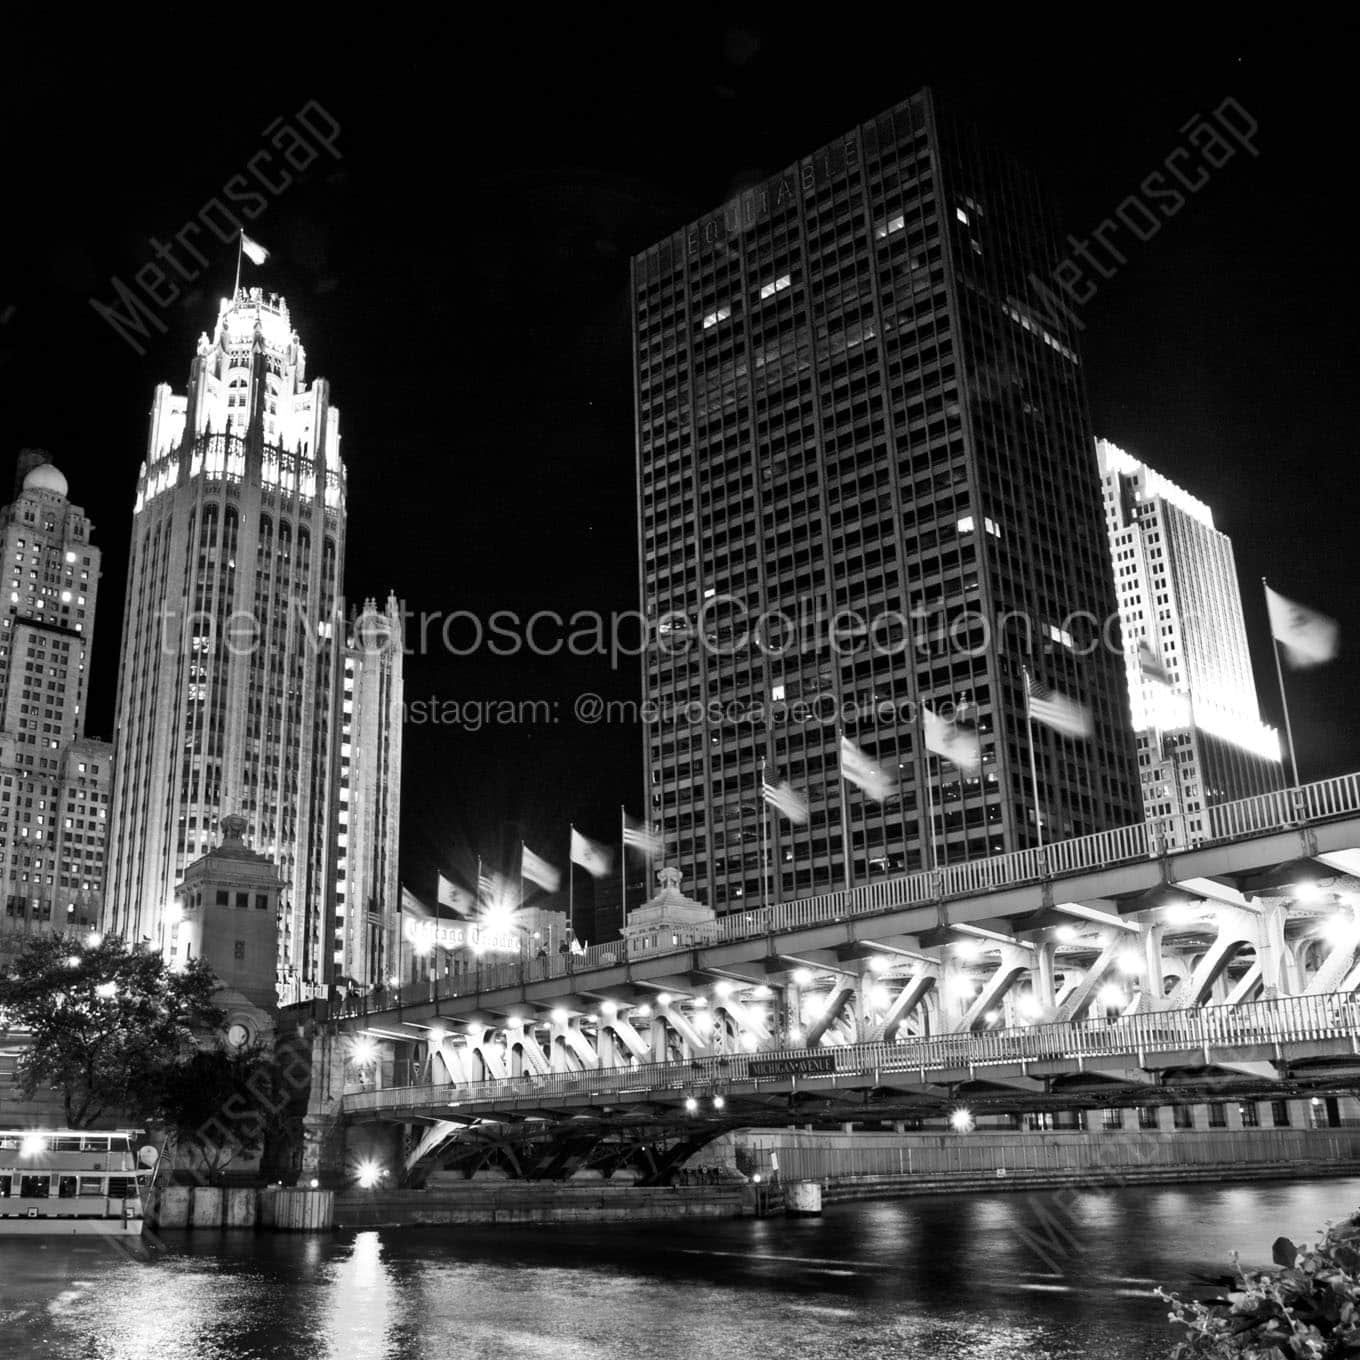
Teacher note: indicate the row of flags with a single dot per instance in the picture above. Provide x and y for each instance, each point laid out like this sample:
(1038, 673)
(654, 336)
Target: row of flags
(1308, 638)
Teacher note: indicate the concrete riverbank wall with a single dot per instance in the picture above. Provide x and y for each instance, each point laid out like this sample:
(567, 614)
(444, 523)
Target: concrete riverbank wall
(539, 1203)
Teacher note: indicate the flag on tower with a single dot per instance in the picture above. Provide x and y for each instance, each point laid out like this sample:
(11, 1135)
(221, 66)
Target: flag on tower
(254, 251)
(538, 871)
(1057, 711)
(959, 745)
(451, 895)
(640, 837)
(486, 883)
(784, 800)
(859, 770)
(1309, 638)
(1150, 664)
(595, 859)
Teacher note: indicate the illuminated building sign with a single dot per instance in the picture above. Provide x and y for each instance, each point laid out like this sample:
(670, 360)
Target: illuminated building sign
(426, 935)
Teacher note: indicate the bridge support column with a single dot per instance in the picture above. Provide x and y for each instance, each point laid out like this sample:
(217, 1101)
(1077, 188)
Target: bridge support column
(1166, 1119)
(323, 1135)
(1300, 1114)
(1199, 1117)
(1128, 1120)
(1233, 1110)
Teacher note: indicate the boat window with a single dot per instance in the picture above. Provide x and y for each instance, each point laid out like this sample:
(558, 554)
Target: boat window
(92, 1185)
(35, 1187)
(5, 1183)
(94, 1144)
(9, 1143)
(64, 1144)
(122, 1187)
(66, 1187)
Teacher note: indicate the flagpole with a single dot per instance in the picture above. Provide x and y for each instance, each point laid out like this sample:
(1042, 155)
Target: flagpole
(846, 850)
(571, 885)
(1284, 701)
(240, 244)
(1033, 766)
(764, 832)
(928, 860)
(623, 866)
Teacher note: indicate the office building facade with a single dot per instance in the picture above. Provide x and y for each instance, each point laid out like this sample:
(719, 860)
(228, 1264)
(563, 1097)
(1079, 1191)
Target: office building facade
(367, 907)
(229, 689)
(54, 782)
(1192, 694)
(864, 485)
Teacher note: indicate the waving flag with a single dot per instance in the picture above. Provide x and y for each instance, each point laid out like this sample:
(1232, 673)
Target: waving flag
(451, 895)
(1309, 638)
(1150, 664)
(959, 745)
(538, 871)
(784, 800)
(859, 770)
(254, 251)
(1057, 711)
(640, 837)
(595, 859)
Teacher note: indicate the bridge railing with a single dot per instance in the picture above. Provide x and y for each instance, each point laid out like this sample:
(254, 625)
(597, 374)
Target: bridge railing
(1286, 1020)
(1317, 802)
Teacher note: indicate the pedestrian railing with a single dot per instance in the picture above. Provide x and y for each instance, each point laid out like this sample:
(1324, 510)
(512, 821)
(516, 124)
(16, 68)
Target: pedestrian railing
(1325, 800)
(1211, 1031)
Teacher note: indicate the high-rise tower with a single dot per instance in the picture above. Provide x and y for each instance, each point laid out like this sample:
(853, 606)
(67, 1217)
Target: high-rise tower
(1192, 695)
(366, 944)
(231, 665)
(865, 483)
(53, 784)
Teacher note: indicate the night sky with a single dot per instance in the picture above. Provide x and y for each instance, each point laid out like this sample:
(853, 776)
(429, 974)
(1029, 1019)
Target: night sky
(460, 276)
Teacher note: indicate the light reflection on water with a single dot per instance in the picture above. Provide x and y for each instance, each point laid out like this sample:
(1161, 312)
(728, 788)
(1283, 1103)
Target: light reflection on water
(937, 1279)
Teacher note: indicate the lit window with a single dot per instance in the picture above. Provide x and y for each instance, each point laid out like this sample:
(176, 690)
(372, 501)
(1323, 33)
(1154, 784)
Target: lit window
(713, 318)
(965, 525)
(895, 224)
(782, 282)
(777, 692)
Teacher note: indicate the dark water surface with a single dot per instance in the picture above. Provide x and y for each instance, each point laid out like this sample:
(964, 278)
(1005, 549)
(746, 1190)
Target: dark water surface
(972, 1277)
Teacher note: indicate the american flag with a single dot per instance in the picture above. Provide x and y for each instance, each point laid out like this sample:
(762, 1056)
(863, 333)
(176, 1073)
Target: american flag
(860, 771)
(1057, 711)
(640, 837)
(1150, 664)
(783, 799)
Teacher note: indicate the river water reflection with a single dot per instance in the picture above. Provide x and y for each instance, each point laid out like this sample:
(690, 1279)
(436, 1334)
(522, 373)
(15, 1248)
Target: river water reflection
(972, 1277)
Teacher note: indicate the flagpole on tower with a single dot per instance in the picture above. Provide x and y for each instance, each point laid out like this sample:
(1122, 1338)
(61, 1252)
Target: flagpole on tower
(623, 864)
(240, 246)
(1033, 765)
(1284, 700)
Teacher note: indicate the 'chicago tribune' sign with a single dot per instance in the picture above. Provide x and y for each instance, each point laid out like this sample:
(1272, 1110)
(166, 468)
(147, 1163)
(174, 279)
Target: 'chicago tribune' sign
(426, 935)
(792, 1065)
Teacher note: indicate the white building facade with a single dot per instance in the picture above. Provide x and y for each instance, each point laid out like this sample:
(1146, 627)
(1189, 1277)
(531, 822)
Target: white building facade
(230, 676)
(1192, 694)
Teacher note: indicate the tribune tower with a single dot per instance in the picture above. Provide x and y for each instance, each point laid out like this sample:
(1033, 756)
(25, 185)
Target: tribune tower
(229, 687)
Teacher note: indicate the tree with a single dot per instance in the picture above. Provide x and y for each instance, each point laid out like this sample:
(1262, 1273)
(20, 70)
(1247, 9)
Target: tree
(107, 1024)
(1307, 1310)
(227, 1103)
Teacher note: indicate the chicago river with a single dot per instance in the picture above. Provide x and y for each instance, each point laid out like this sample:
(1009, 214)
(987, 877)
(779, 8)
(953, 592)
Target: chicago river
(967, 1277)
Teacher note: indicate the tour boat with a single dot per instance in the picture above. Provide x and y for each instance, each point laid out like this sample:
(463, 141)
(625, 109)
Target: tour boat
(70, 1181)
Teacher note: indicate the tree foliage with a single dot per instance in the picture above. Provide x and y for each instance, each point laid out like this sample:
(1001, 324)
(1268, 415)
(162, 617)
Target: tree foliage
(108, 1024)
(224, 1104)
(1307, 1310)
